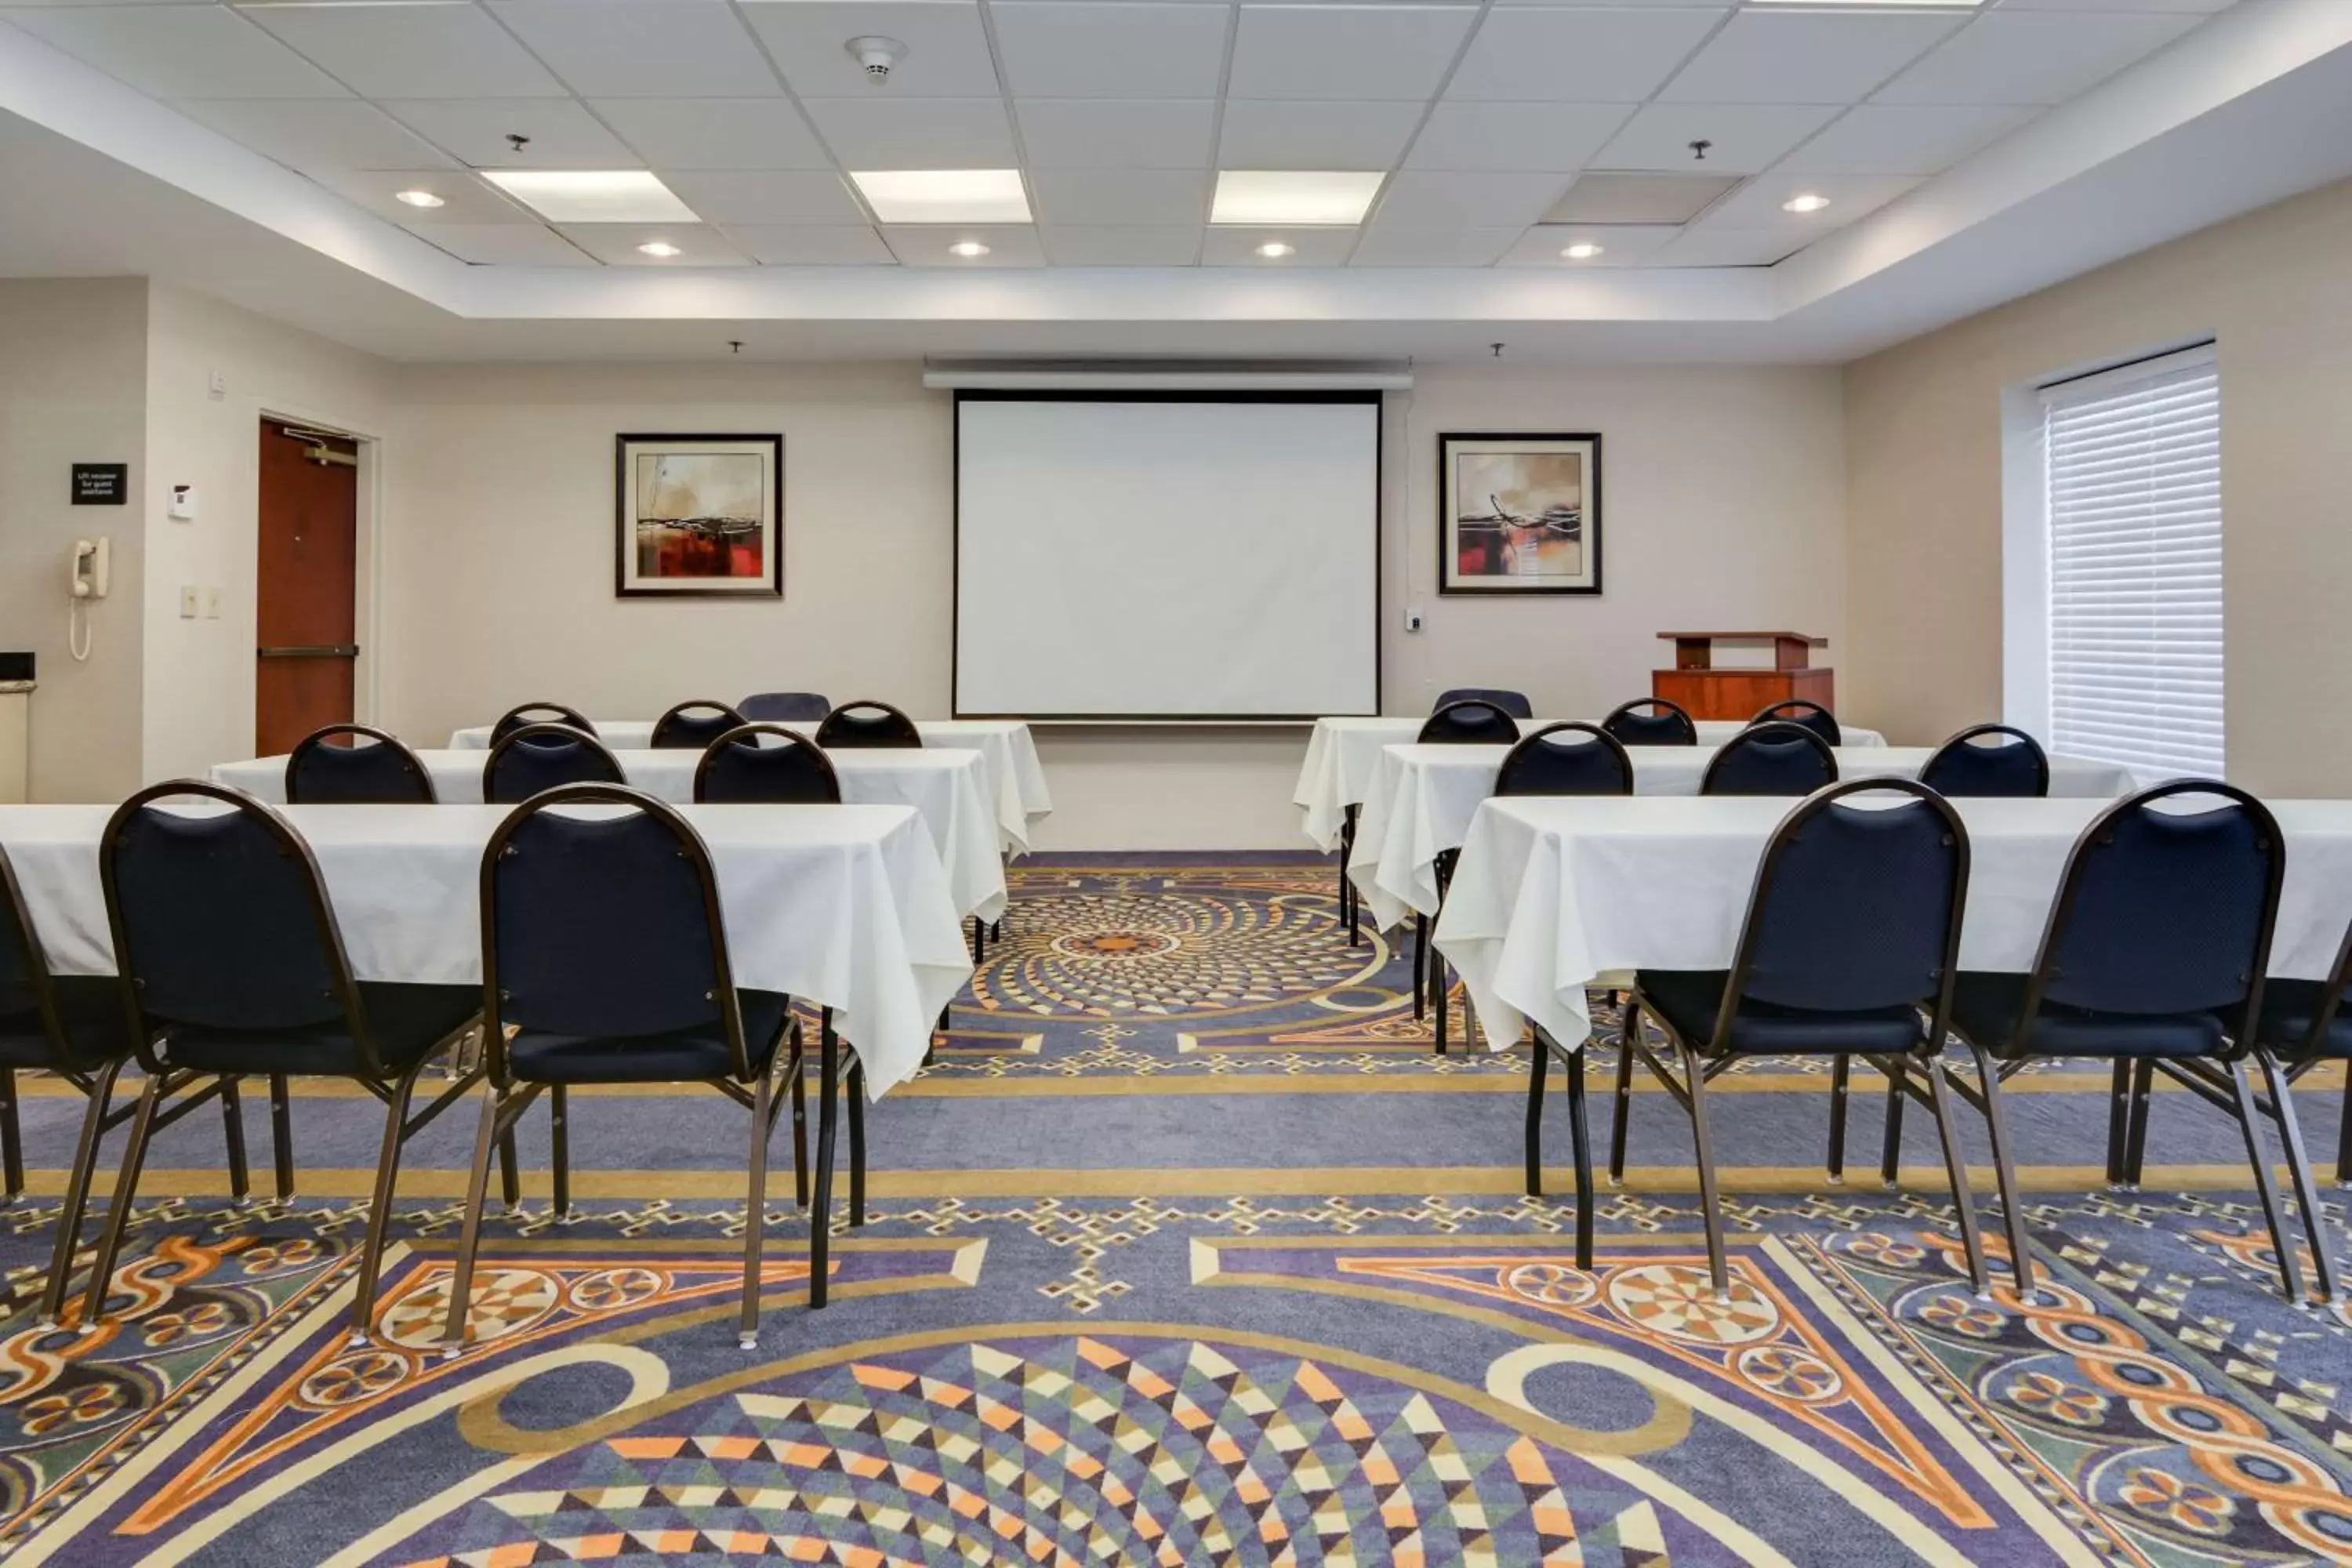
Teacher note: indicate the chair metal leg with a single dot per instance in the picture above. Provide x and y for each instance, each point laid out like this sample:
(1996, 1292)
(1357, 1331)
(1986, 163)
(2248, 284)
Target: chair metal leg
(2118, 1120)
(1718, 1268)
(1629, 1021)
(796, 1080)
(2344, 1136)
(2298, 1169)
(281, 1135)
(1840, 1068)
(828, 1101)
(1956, 1167)
(2135, 1137)
(387, 1173)
(855, 1094)
(12, 1140)
(70, 1218)
(1580, 1139)
(117, 1217)
(1890, 1146)
(1538, 1068)
(1352, 903)
(1437, 994)
(979, 936)
(2021, 1254)
(558, 1152)
(755, 1208)
(469, 1240)
(1419, 967)
(509, 1177)
(241, 1180)
(2265, 1181)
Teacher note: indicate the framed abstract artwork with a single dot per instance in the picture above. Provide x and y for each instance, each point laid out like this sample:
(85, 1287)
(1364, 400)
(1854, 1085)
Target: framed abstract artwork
(1519, 514)
(699, 514)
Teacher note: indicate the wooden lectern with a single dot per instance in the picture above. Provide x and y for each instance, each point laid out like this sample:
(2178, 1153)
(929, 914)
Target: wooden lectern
(1735, 675)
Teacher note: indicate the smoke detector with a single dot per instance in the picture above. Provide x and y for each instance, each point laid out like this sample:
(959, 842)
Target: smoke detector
(878, 55)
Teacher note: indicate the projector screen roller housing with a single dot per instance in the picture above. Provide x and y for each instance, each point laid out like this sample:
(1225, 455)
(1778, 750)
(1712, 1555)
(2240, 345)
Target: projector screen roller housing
(1167, 556)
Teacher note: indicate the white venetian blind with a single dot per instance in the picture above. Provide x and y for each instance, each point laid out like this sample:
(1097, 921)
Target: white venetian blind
(2135, 507)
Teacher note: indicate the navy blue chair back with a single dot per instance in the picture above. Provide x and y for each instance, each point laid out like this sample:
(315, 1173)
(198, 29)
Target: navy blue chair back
(531, 713)
(1515, 703)
(1771, 759)
(1856, 906)
(869, 724)
(784, 707)
(1471, 722)
(603, 925)
(1665, 724)
(2165, 911)
(1811, 715)
(540, 757)
(220, 920)
(694, 725)
(1568, 758)
(2015, 764)
(787, 770)
(352, 764)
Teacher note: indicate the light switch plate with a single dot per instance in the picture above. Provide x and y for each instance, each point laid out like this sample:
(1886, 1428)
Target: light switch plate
(188, 597)
(212, 604)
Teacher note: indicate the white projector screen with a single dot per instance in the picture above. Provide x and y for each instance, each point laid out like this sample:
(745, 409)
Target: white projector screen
(1141, 555)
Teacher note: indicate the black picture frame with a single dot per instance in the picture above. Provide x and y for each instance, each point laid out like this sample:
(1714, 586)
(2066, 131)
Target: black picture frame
(1590, 521)
(768, 584)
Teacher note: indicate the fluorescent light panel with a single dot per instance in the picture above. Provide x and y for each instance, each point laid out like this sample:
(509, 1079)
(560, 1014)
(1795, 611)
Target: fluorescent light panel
(592, 195)
(944, 195)
(1281, 198)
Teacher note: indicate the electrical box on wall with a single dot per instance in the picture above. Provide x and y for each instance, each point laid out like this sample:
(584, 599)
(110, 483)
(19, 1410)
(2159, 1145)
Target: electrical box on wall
(182, 505)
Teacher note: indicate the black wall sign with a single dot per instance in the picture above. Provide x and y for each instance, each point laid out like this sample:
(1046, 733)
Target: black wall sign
(102, 484)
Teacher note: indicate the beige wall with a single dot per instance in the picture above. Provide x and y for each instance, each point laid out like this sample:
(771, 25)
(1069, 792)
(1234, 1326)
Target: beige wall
(1924, 503)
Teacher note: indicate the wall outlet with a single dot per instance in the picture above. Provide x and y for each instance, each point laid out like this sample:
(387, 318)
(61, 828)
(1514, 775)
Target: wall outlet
(212, 604)
(217, 386)
(188, 600)
(1412, 618)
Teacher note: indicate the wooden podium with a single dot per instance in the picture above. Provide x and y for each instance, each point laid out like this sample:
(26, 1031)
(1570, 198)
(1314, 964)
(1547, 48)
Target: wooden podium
(1735, 675)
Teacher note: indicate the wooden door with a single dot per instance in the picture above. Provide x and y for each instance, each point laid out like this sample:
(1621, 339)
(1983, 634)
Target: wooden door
(307, 605)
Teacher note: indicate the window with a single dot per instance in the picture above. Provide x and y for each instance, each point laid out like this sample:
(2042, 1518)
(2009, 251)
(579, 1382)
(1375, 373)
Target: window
(2133, 466)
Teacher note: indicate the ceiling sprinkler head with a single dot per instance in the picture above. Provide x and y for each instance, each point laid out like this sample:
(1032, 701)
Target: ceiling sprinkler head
(878, 55)
(1698, 150)
(517, 141)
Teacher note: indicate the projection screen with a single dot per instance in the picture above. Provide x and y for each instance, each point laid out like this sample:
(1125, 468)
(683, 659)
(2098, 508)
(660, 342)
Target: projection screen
(1129, 556)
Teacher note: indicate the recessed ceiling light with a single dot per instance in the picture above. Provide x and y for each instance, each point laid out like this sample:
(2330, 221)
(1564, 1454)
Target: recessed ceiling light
(1582, 250)
(967, 248)
(591, 195)
(417, 198)
(1808, 203)
(660, 248)
(1275, 251)
(1289, 198)
(945, 195)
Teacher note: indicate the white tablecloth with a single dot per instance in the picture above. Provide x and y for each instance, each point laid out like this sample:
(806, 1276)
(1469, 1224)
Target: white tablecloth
(948, 788)
(1344, 754)
(1423, 797)
(1550, 894)
(843, 906)
(1018, 793)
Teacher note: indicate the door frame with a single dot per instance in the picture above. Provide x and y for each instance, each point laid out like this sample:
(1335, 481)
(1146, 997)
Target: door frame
(367, 573)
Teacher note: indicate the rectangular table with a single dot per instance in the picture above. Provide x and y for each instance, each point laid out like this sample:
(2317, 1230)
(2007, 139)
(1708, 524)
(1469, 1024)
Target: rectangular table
(1018, 793)
(842, 906)
(948, 788)
(1423, 797)
(1552, 894)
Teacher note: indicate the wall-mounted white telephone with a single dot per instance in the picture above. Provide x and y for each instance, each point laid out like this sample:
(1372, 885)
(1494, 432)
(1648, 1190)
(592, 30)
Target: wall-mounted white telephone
(89, 579)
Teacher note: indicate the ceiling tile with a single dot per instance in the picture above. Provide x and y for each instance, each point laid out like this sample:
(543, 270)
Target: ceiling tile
(642, 48)
(1605, 197)
(1557, 55)
(1397, 244)
(1237, 247)
(1093, 134)
(178, 51)
(1087, 49)
(562, 135)
(714, 132)
(915, 133)
(1365, 51)
(1745, 137)
(1621, 245)
(464, 199)
(1296, 134)
(1101, 196)
(764, 195)
(411, 51)
(947, 53)
(312, 133)
(1423, 199)
(615, 244)
(1903, 138)
(812, 245)
(2032, 56)
(926, 245)
(1554, 136)
(1806, 56)
(2180, 7)
(1755, 207)
(1127, 245)
(1724, 247)
(504, 244)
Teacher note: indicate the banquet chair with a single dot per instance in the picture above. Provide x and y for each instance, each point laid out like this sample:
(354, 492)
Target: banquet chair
(1850, 948)
(604, 961)
(332, 766)
(1988, 760)
(2152, 959)
(1472, 722)
(232, 964)
(1666, 724)
(538, 713)
(1770, 759)
(784, 707)
(737, 769)
(542, 756)
(1513, 703)
(1803, 710)
(867, 724)
(694, 725)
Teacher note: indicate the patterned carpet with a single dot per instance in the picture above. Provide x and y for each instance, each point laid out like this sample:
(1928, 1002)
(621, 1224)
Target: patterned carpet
(1189, 1251)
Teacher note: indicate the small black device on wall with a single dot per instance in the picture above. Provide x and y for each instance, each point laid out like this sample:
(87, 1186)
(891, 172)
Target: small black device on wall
(102, 484)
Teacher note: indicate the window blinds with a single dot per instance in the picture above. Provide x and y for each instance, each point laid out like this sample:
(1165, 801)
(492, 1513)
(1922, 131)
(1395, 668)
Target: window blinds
(2135, 505)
